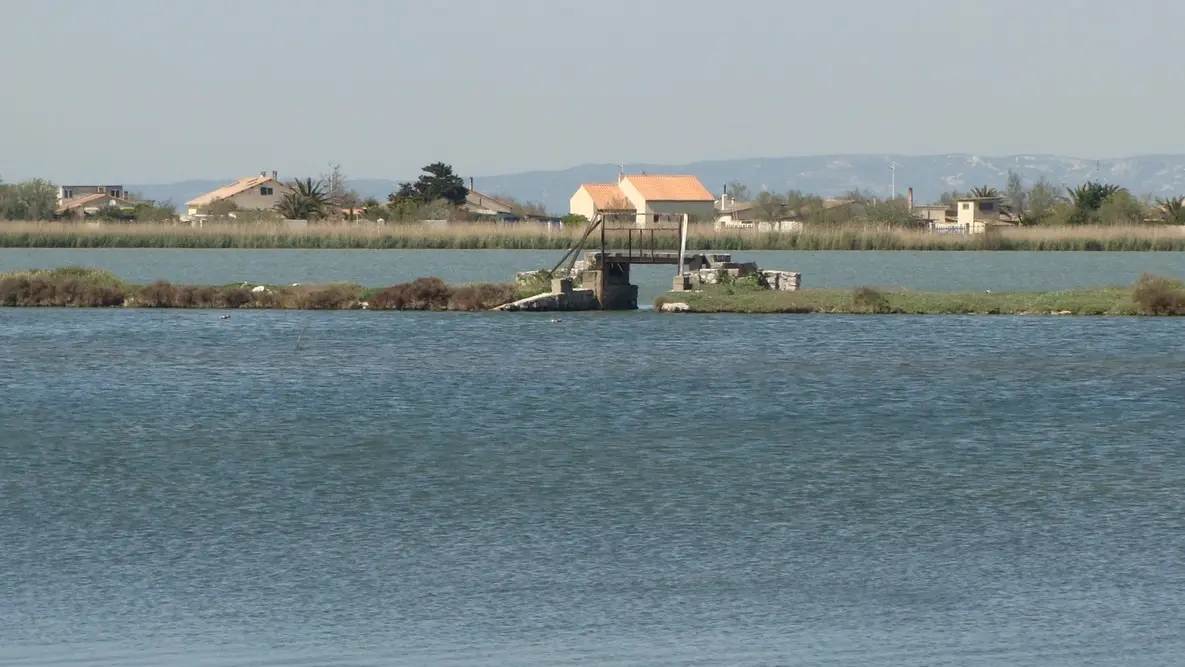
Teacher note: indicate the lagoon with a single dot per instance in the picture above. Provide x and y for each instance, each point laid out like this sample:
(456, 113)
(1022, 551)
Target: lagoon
(438, 489)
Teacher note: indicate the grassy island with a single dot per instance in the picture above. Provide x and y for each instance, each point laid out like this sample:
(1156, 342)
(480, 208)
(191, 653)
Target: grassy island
(1151, 295)
(91, 288)
(479, 236)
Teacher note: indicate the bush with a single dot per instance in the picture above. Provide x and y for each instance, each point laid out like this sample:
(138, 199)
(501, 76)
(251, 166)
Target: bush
(332, 297)
(235, 297)
(420, 294)
(869, 300)
(159, 294)
(481, 297)
(1159, 295)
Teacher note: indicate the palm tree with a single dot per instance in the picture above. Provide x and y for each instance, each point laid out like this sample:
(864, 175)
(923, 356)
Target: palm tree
(306, 200)
(1088, 198)
(1172, 209)
(984, 192)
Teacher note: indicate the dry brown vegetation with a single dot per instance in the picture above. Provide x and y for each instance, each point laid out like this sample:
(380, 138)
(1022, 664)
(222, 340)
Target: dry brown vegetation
(529, 236)
(89, 288)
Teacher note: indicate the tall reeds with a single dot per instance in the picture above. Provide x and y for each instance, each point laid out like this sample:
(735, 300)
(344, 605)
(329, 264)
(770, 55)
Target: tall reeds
(531, 237)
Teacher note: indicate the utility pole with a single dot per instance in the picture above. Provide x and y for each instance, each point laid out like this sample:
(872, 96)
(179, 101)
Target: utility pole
(893, 180)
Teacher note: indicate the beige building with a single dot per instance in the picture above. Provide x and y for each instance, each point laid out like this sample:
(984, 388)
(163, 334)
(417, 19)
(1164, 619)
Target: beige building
(87, 205)
(977, 214)
(935, 214)
(649, 198)
(68, 192)
(257, 193)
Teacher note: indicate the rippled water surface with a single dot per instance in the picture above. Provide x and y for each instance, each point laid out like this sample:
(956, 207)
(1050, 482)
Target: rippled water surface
(613, 489)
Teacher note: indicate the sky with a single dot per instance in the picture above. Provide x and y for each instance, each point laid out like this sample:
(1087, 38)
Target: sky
(157, 91)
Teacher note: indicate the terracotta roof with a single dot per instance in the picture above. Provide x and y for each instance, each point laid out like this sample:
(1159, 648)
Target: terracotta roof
(670, 188)
(239, 186)
(79, 202)
(608, 197)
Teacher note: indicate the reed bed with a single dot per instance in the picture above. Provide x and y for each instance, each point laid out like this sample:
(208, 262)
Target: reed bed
(531, 237)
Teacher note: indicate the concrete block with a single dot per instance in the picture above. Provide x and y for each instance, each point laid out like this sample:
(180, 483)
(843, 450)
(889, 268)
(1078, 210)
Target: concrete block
(561, 285)
(682, 283)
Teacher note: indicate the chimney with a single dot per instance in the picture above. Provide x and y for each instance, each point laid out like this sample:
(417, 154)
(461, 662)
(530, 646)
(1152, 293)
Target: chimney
(911, 200)
(263, 173)
(275, 175)
(470, 183)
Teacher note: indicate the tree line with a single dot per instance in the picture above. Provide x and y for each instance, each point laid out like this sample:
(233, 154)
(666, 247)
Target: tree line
(438, 194)
(1029, 204)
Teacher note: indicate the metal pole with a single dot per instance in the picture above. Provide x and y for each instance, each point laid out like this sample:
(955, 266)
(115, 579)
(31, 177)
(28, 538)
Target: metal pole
(682, 245)
(604, 266)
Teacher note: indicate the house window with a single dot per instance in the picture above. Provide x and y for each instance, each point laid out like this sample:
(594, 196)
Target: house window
(987, 206)
(966, 206)
(265, 191)
(67, 194)
(114, 192)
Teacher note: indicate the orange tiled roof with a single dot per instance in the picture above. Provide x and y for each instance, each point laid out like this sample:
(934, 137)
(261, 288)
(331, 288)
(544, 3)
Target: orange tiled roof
(670, 188)
(239, 186)
(608, 197)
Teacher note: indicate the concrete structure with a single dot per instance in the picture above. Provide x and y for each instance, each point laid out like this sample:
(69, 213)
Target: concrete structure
(652, 199)
(68, 192)
(255, 193)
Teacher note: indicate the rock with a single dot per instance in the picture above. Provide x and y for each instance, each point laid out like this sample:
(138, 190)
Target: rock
(676, 307)
(782, 281)
(1061, 312)
(259, 289)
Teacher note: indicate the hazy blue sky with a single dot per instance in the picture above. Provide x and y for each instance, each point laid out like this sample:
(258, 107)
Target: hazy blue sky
(163, 90)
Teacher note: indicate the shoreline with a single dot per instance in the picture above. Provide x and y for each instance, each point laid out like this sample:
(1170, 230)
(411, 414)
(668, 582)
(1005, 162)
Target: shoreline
(481, 236)
(1151, 295)
(78, 287)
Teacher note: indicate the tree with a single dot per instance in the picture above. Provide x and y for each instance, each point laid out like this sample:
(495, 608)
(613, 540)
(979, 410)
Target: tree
(1087, 199)
(306, 200)
(984, 192)
(437, 182)
(337, 189)
(1015, 194)
(35, 199)
(1172, 209)
(1040, 201)
(1121, 208)
(771, 206)
(738, 191)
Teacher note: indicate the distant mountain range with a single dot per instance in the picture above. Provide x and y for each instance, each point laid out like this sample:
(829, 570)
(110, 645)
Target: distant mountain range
(826, 175)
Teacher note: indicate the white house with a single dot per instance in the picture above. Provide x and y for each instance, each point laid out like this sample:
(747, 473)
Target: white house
(650, 198)
(256, 193)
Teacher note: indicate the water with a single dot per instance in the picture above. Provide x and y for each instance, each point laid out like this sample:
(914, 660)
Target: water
(454, 489)
(975, 271)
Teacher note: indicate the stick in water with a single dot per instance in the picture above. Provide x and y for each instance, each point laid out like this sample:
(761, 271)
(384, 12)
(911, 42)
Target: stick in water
(300, 336)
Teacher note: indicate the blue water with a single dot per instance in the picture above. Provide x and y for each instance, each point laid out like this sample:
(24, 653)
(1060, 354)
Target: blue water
(613, 489)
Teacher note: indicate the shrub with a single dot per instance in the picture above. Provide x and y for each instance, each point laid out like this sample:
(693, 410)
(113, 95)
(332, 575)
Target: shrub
(1159, 295)
(420, 294)
(481, 297)
(331, 297)
(869, 300)
(235, 297)
(159, 294)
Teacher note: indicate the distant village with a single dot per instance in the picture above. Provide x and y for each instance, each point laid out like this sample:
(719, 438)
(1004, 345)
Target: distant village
(649, 199)
(442, 198)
